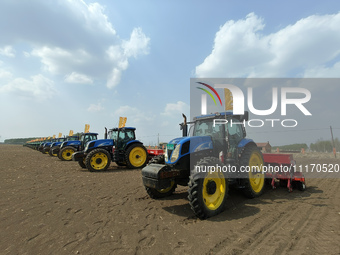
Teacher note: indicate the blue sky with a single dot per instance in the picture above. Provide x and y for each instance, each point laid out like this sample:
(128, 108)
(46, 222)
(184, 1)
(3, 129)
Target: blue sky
(67, 63)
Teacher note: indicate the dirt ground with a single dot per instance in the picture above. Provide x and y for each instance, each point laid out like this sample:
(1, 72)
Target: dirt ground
(53, 207)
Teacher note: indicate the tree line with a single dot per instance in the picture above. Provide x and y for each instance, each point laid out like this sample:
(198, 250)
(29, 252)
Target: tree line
(325, 146)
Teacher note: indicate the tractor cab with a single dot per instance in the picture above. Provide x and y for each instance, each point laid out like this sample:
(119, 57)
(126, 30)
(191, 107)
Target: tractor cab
(87, 137)
(225, 131)
(122, 136)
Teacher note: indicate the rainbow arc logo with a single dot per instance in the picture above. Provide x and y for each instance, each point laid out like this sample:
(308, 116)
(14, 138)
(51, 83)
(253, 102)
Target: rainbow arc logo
(209, 93)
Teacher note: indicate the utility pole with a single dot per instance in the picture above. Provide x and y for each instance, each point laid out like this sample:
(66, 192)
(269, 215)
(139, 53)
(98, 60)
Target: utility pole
(334, 150)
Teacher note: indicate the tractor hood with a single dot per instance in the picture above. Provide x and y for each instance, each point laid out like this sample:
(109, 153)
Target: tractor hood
(180, 147)
(99, 143)
(70, 143)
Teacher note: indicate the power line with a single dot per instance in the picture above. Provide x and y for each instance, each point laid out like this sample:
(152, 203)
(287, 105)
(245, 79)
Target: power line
(292, 130)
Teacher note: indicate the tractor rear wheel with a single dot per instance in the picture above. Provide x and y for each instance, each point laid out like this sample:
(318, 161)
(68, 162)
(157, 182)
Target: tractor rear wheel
(65, 154)
(208, 190)
(254, 183)
(155, 193)
(98, 160)
(136, 156)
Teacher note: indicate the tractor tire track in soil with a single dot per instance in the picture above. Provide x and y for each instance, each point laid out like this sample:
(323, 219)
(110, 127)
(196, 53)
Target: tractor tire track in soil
(50, 206)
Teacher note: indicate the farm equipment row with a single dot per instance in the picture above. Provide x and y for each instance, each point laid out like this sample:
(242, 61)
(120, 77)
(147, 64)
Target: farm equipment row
(119, 145)
(187, 161)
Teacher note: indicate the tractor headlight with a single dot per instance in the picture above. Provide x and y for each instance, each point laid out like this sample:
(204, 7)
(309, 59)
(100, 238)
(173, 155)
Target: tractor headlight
(87, 146)
(175, 153)
(62, 145)
(166, 158)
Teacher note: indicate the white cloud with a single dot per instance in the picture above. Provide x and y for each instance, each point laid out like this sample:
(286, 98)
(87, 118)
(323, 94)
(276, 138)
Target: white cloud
(5, 74)
(95, 107)
(133, 114)
(7, 51)
(242, 50)
(76, 38)
(175, 109)
(138, 44)
(60, 61)
(78, 78)
(39, 87)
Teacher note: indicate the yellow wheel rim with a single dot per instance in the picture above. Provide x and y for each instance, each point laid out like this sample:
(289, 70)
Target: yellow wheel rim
(99, 161)
(214, 190)
(167, 189)
(256, 176)
(54, 154)
(137, 156)
(67, 154)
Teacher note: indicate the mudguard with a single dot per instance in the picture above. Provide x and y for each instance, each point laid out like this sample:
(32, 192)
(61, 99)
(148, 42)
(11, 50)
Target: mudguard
(78, 156)
(244, 142)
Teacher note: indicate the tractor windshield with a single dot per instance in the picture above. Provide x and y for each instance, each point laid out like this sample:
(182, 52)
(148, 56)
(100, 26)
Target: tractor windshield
(205, 127)
(125, 136)
(113, 134)
(88, 137)
(72, 138)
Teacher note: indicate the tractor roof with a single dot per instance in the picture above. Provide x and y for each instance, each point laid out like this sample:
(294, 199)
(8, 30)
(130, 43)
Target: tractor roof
(220, 115)
(124, 128)
(89, 133)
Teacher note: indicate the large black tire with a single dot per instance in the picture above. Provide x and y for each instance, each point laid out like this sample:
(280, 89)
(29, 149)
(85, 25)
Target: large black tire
(136, 156)
(50, 152)
(98, 160)
(65, 153)
(154, 193)
(255, 180)
(82, 164)
(208, 191)
(44, 151)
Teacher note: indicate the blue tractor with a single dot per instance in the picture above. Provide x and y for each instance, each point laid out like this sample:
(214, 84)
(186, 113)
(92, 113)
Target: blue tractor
(121, 147)
(67, 148)
(208, 162)
(47, 146)
(55, 146)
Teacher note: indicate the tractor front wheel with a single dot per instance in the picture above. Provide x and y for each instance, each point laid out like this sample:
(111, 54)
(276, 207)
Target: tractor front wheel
(155, 193)
(207, 190)
(82, 163)
(254, 182)
(136, 156)
(50, 152)
(98, 160)
(65, 154)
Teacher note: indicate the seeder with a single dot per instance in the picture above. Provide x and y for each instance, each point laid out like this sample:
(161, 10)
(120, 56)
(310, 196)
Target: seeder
(283, 168)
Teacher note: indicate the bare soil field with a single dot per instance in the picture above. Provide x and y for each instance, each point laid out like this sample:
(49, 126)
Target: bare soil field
(50, 206)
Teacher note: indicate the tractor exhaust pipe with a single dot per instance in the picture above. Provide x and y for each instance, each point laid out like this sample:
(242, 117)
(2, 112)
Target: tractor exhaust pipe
(105, 135)
(184, 126)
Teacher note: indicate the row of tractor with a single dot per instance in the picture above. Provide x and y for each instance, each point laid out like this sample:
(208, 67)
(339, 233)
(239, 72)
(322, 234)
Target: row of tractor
(119, 145)
(212, 156)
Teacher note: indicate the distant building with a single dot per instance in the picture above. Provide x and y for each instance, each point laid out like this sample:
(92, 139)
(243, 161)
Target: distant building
(264, 147)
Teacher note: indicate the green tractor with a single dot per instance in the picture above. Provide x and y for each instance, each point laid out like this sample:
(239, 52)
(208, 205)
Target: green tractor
(210, 161)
